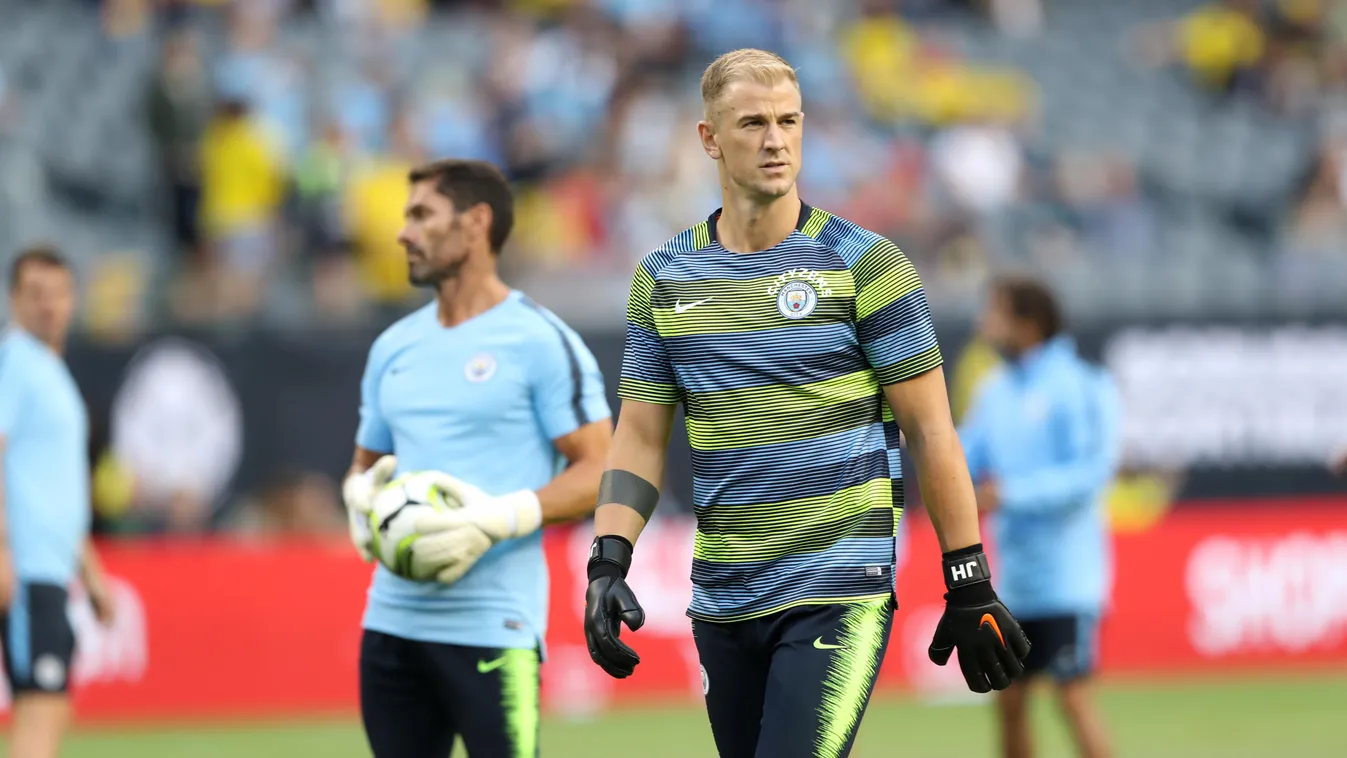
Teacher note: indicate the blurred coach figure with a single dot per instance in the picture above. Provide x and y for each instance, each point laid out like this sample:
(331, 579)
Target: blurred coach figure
(1042, 440)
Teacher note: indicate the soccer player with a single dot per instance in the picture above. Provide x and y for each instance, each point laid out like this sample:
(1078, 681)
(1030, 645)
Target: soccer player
(798, 344)
(495, 392)
(45, 509)
(1042, 441)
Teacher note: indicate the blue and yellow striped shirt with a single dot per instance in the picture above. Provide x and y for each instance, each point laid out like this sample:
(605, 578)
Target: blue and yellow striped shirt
(778, 358)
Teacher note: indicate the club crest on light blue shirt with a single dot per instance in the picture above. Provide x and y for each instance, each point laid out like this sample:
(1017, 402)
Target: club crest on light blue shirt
(480, 368)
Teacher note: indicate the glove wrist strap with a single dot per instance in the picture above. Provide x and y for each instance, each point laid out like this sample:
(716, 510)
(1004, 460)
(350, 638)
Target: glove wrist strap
(609, 555)
(967, 576)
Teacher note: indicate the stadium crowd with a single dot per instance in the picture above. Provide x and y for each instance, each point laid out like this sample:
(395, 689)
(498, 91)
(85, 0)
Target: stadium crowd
(281, 160)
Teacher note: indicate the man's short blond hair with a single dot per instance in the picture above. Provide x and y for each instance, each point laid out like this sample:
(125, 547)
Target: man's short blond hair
(749, 63)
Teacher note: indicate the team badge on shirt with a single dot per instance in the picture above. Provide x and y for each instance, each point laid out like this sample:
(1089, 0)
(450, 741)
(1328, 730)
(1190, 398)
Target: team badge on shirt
(797, 299)
(480, 368)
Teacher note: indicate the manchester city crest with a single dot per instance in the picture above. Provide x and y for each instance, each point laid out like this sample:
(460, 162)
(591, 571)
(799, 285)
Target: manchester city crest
(480, 368)
(796, 299)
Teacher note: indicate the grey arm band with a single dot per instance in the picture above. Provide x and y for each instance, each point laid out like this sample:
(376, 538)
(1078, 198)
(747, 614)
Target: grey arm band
(626, 488)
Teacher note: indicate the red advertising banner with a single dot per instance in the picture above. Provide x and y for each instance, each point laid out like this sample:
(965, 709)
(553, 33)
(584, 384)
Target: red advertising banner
(228, 629)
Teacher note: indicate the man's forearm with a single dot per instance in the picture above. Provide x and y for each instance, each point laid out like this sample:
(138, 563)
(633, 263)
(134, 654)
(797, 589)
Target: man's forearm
(628, 506)
(91, 568)
(572, 493)
(946, 488)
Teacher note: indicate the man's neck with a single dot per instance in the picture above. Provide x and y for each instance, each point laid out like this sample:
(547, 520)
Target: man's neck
(748, 226)
(468, 295)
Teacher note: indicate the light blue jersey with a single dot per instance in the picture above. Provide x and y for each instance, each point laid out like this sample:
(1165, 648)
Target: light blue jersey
(46, 431)
(482, 401)
(1045, 430)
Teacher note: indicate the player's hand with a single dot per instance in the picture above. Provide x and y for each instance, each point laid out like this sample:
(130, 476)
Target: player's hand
(451, 541)
(609, 603)
(990, 643)
(503, 517)
(103, 602)
(358, 493)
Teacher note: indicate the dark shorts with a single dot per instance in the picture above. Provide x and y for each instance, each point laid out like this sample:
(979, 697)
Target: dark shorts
(1064, 647)
(38, 639)
(416, 697)
(795, 683)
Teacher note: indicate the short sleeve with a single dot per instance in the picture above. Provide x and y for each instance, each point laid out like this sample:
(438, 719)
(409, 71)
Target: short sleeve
(893, 320)
(647, 375)
(13, 390)
(373, 433)
(568, 387)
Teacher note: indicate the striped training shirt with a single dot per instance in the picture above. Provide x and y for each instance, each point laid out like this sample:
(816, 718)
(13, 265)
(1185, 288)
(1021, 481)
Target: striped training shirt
(778, 358)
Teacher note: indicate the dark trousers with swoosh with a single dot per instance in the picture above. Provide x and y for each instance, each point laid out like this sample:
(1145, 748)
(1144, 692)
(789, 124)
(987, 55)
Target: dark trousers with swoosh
(794, 684)
(417, 697)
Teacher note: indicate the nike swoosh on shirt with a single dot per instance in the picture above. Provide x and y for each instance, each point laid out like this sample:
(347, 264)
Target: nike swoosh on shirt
(821, 645)
(680, 308)
(486, 667)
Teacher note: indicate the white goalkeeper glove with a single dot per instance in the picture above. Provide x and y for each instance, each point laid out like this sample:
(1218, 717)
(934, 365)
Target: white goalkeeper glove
(358, 492)
(452, 541)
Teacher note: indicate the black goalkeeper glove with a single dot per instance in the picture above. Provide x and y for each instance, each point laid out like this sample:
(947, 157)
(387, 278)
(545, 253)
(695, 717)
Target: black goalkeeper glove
(991, 645)
(609, 603)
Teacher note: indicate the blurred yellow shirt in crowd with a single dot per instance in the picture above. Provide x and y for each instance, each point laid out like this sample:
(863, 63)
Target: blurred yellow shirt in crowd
(1217, 40)
(540, 7)
(242, 179)
(879, 52)
(375, 198)
(402, 13)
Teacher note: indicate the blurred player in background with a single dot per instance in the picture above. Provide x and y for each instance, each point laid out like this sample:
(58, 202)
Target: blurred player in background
(1042, 442)
(45, 512)
(793, 339)
(496, 392)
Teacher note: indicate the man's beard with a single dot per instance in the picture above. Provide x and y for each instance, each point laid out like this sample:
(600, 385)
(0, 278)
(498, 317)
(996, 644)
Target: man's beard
(434, 277)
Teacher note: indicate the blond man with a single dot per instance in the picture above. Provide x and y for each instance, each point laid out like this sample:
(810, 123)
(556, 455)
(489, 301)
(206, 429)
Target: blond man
(798, 344)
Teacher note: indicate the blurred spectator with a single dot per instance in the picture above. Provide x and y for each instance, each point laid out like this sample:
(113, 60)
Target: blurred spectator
(373, 208)
(179, 104)
(979, 165)
(1220, 43)
(1102, 204)
(1317, 228)
(242, 188)
(295, 504)
(264, 76)
(319, 182)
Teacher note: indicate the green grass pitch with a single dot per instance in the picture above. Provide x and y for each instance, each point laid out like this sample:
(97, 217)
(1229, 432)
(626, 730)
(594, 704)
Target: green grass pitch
(1301, 716)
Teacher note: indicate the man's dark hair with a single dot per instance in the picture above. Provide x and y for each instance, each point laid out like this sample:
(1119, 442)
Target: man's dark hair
(39, 255)
(1031, 300)
(467, 183)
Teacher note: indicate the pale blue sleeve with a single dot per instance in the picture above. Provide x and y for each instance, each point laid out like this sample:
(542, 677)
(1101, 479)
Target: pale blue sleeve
(568, 389)
(373, 433)
(1094, 441)
(13, 390)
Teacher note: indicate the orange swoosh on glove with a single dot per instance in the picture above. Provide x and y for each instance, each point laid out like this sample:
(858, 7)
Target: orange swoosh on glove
(988, 619)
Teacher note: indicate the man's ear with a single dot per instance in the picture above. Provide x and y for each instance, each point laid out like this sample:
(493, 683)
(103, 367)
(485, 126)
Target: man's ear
(479, 218)
(707, 131)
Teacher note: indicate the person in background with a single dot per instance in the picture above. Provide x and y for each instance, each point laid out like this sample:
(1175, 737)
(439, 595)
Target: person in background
(45, 510)
(243, 184)
(179, 105)
(1042, 442)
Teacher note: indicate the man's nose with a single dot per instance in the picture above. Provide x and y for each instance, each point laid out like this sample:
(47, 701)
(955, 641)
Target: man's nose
(776, 137)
